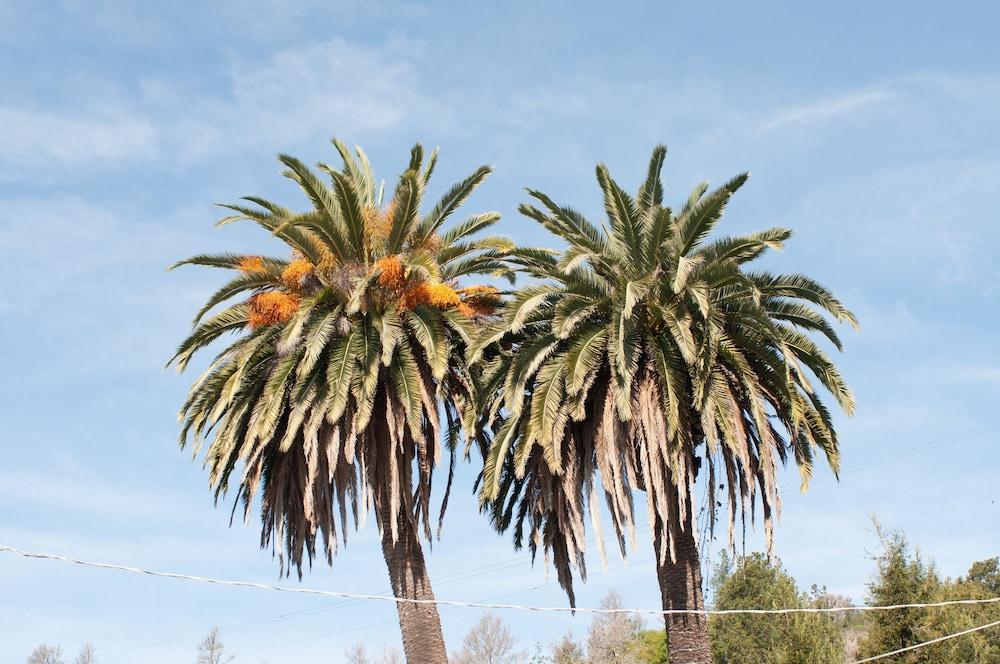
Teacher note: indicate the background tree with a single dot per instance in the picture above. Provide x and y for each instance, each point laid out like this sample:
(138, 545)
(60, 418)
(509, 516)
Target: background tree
(212, 651)
(977, 648)
(987, 574)
(613, 636)
(538, 655)
(567, 651)
(904, 577)
(756, 582)
(390, 656)
(651, 646)
(357, 654)
(87, 655)
(46, 654)
(488, 642)
(852, 626)
(643, 355)
(347, 356)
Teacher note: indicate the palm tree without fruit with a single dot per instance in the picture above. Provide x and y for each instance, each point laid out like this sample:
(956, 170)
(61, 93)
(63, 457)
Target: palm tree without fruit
(348, 354)
(643, 354)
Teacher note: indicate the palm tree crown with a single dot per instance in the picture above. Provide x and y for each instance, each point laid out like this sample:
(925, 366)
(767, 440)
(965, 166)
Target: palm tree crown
(643, 350)
(366, 317)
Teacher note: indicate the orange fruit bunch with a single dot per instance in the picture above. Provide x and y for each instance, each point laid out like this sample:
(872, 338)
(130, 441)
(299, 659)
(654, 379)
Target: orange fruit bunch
(251, 264)
(479, 301)
(272, 307)
(393, 274)
(296, 271)
(438, 295)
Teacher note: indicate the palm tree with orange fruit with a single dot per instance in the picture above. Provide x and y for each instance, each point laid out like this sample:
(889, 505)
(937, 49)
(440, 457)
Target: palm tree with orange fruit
(330, 399)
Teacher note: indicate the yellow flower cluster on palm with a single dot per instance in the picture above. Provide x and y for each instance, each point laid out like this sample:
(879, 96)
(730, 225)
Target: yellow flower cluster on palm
(378, 223)
(441, 296)
(413, 292)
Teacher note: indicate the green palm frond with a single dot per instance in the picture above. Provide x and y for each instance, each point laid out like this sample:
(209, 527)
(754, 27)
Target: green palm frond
(329, 396)
(450, 202)
(645, 349)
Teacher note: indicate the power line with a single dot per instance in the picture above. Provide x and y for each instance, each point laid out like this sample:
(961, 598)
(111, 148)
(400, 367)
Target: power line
(929, 444)
(487, 599)
(927, 643)
(932, 443)
(472, 572)
(484, 605)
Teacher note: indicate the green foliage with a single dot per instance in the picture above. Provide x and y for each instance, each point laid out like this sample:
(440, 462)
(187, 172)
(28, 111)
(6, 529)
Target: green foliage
(987, 574)
(756, 582)
(978, 648)
(905, 578)
(651, 646)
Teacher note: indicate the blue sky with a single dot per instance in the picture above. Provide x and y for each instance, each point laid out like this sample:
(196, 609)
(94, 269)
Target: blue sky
(871, 129)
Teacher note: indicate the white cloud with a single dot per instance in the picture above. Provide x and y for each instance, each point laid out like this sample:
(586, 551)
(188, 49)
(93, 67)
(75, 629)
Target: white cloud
(34, 140)
(977, 373)
(325, 87)
(826, 109)
(92, 497)
(305, 92)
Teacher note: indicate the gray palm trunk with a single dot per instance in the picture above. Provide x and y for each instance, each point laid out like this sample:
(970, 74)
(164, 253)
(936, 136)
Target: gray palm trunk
(680, 589)
(423, 641)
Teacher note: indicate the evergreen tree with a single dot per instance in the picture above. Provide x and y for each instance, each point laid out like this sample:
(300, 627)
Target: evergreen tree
(903, 577)
(756, 582)
(651, 646)
(987, 574)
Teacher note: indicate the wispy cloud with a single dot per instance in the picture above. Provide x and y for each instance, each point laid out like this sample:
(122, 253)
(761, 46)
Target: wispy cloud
(826, 109)
(90, 497)
(308, 91)
(34, 139)
(303, 92)
(978, 373)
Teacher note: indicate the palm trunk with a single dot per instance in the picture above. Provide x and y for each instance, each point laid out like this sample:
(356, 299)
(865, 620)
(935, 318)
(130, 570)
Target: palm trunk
(423, 641)
(680, 588)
